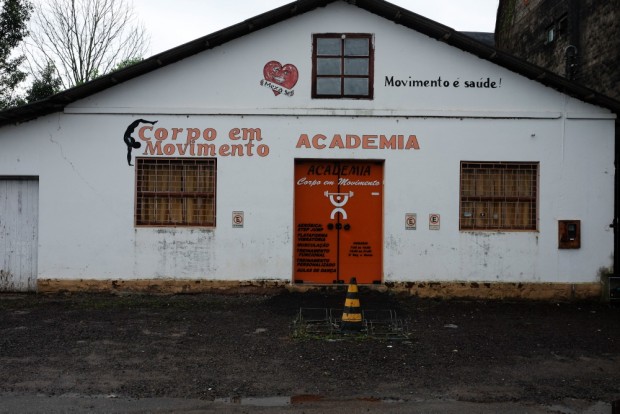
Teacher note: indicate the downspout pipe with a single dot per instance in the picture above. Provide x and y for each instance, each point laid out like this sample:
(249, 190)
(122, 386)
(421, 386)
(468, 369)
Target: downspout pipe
(615, 224)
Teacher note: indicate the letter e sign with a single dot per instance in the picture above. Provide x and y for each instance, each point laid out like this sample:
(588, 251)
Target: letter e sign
(410, 221)
(237, 219)
(433, 221)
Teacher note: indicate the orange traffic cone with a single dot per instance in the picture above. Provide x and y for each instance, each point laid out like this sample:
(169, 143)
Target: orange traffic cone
(352, 314)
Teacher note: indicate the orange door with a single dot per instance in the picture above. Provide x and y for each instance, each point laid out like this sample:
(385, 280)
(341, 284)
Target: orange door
(338, 221)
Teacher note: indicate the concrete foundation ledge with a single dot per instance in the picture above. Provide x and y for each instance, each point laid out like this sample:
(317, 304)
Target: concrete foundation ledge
(160, 286)
(501, 290)
(423, 289)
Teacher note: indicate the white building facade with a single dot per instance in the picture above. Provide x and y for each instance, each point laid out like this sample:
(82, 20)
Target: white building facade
(330, 144)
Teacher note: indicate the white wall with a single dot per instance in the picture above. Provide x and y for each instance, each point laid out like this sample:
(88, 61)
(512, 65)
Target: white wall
(226, 79)
(87, 190)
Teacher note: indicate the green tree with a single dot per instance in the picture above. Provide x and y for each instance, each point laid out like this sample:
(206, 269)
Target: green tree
(44, 85)
(128, 62)
(14, 15)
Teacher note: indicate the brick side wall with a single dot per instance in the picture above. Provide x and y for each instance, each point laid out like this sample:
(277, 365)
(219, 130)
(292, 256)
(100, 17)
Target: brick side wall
(585, 45)
(600, 53)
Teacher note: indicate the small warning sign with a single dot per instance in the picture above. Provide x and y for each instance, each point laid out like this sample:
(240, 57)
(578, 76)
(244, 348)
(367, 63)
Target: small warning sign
(410, 221)
(237, 219)
(433, 221)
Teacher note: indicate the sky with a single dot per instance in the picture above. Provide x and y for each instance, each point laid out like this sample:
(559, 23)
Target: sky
(171, 23)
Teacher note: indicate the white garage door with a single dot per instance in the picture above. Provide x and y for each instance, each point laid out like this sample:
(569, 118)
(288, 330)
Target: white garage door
(19, 222)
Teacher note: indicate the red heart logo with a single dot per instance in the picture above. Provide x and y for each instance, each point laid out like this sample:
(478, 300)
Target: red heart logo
(285, 76)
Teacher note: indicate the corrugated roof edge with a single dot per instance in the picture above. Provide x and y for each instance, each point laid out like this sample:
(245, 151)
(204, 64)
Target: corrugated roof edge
(435, 30)
(488, 38)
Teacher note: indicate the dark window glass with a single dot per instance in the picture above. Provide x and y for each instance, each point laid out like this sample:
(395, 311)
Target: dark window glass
(342, 66)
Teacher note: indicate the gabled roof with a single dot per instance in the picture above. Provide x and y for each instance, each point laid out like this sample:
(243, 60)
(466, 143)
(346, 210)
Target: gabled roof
(381, 8)
(488, 38)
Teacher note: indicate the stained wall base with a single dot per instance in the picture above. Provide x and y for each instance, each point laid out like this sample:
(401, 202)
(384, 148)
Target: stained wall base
(439, 290)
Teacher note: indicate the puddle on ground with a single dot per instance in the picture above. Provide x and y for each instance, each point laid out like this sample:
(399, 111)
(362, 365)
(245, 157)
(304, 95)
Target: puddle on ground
(282, 401)
(257, 401)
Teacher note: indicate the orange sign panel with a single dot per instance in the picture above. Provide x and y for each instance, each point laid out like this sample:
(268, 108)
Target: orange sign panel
(338, 221)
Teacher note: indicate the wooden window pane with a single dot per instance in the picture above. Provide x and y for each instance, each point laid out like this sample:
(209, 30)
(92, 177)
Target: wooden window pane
(356, 47)
(342, 65)
(175, 192)
(499, 196)
(355, 86)
(328, 46)
(468, 210)
(355, 67)
(328, 66)
(328, 86)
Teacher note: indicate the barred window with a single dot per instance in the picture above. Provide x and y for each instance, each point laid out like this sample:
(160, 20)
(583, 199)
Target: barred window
(499, 196)
(342, 65)
(175, 192)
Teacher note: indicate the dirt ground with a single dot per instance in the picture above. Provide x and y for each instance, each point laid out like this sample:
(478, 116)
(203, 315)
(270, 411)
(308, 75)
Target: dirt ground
(237, 351)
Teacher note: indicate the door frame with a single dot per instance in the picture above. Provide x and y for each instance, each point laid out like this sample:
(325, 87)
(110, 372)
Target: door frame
(380, 161)
(25, 219)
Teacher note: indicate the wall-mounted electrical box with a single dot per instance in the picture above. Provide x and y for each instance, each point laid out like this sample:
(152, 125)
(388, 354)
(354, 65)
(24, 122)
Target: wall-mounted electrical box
(569, 234)
(614, 289)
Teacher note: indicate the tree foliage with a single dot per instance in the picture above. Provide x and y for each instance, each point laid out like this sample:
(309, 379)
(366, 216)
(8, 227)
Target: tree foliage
(14, 15)
(83, 39)
(128, 62)
(44, 85)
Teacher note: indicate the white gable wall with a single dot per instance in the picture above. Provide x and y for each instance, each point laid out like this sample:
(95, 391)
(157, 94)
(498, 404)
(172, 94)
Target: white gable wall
(87, 191)
(225, 79)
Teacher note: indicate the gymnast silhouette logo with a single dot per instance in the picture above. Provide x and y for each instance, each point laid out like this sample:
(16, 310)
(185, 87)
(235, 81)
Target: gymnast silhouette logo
(131, 141)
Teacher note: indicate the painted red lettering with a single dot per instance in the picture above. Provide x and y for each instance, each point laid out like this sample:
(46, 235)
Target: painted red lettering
(169, 149)
(262, 150)
(368, 142)
(209, 134)
(193, 134)
(152, 148)
(337, 142)
(224, 150)
(303, 141)
(233, 134)
(353, 141)
(412, 142)
(315, 141)
(175, 132)
(161, 134)
(142, 130)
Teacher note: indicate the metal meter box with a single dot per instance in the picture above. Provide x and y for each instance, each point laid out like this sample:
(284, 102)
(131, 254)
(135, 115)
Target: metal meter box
(569, 234)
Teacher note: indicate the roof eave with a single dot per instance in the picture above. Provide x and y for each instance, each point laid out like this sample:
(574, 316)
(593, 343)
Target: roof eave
(381, 8)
